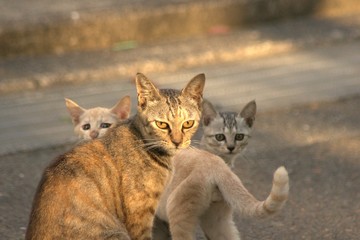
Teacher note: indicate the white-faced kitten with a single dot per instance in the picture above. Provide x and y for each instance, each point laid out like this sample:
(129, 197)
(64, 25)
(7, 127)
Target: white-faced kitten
(204, 191)
(94, 122)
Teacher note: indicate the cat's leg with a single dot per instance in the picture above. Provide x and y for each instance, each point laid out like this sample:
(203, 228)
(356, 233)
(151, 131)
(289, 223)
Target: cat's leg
(114, 230)
(218, 224)
(160, 230)
(185, 206)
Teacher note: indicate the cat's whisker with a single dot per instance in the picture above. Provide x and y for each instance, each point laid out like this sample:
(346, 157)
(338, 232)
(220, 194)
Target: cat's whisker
(192, 147)
(152, 145)
(147, 145)
(195, 143)
(147, 139)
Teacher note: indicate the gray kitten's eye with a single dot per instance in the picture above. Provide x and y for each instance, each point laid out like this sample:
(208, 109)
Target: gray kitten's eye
(220, 137)
(105, 125)
(86, 126)
(239, 137)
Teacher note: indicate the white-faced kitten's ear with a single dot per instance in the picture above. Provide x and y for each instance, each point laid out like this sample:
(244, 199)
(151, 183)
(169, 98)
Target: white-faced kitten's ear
(208, 112)
(145, 90)
(195, 87)
(122, 108)
(75, 110)
(248, 113)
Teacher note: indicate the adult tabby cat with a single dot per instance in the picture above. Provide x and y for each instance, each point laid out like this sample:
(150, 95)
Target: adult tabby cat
(94, 122)
(204, 191)
(109, 188)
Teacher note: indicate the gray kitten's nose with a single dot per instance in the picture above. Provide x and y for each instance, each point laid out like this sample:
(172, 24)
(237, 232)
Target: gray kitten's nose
(231, 148)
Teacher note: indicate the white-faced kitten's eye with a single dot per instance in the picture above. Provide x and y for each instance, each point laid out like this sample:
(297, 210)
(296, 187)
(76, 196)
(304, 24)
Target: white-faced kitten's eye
(239, 137)
(188, 124)
(162, 125)
(220, 137)
(105, 125)
(86, 126)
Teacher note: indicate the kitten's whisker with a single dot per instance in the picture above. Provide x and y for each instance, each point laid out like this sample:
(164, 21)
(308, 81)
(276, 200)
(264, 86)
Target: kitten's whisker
(245, 158)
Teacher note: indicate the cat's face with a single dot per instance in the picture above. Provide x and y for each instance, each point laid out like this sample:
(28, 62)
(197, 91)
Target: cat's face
(95, 122)
(170, 117)
(227, 133)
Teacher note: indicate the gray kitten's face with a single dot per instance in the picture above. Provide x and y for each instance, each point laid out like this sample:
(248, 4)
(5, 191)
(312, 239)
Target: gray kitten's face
(169, 117)
(227, 133)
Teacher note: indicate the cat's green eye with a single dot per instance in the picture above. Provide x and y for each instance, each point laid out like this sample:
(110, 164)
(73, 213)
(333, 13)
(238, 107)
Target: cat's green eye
(188, 124)
(220, 137)
(162, 125)
(239, 137)
(105, 125)
(86, 126)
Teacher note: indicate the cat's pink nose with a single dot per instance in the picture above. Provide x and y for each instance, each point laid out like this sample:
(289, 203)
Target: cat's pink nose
(176, 143)
(94, 134)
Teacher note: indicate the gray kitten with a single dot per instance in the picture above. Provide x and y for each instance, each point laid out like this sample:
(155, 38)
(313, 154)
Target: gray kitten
(226, 134)
(203, 191)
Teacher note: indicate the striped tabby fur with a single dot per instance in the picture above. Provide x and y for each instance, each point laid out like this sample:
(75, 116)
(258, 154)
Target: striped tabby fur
(109, 188)
(204, 191)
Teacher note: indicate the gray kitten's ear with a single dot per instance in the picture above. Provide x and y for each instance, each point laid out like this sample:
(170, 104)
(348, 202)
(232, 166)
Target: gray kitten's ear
(208, 112)
(75, 110)
(146, 91)
(122, 108)
(248, 113)
(195, 88)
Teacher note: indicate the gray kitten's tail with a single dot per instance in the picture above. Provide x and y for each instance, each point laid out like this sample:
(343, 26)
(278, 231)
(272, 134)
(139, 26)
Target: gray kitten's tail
(242, 201)
(279, 191)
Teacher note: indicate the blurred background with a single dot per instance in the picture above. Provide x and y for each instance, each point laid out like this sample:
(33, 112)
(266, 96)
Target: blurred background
(298, 58)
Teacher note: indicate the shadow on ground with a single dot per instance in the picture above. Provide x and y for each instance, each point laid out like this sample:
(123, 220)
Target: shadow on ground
(319, 145)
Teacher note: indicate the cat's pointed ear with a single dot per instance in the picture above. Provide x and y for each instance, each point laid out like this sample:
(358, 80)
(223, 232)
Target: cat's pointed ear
(145, 90)
(122, 108)
(248, 113)
(75, 110)
(195, 87)
(208, 112)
